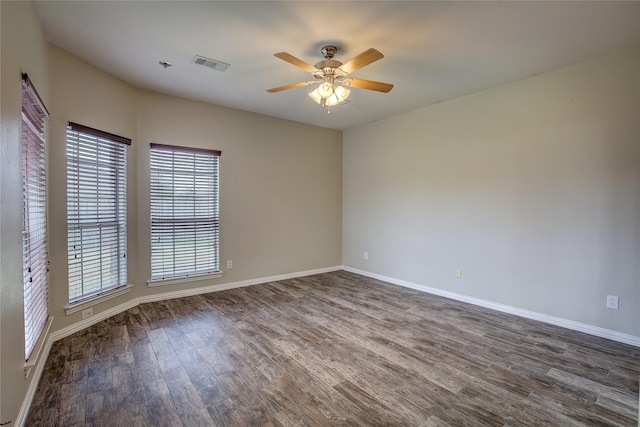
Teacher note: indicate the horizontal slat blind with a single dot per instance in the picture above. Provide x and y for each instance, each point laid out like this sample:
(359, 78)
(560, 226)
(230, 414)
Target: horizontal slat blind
(184, 212)
(34, 231)
(96, 212)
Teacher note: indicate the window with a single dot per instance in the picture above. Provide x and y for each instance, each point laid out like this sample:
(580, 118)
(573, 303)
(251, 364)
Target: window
(184, 212)
(34, 216)
(96, 211)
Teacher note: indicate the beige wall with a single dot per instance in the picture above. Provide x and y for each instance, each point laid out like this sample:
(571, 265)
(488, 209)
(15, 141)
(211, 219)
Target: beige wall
(532, 189)
(280, 188)
(23, 49)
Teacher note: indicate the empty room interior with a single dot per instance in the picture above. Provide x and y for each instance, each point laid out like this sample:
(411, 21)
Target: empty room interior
(319, 213)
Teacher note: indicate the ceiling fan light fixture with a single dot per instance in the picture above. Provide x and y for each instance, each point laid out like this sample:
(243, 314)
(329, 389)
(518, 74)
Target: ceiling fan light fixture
(339, 94)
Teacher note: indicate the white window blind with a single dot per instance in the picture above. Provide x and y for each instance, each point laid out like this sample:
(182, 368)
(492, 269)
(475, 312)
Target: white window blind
(96, 211)
(184, 212)
(34, 219)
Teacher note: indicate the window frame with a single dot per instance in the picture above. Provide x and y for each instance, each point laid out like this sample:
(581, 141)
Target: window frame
(96, 215)
(35, 240)
(170, 220)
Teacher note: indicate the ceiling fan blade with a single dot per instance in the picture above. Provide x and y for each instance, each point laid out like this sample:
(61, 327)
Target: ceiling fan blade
(295, 61)
(368, 84)
(291, 86)
(365, 58)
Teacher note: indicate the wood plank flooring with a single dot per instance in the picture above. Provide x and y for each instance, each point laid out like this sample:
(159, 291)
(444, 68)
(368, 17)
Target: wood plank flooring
(333, 349)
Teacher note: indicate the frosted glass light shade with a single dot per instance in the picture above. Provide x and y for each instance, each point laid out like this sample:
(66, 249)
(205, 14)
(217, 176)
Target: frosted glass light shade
(315, 96)
(340, 94)
(325, 90)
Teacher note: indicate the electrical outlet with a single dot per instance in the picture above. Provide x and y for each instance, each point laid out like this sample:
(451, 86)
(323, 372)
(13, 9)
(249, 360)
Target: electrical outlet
(612, 302)
(87, 313)
(458, 273)
(229, 264)
(365, 255)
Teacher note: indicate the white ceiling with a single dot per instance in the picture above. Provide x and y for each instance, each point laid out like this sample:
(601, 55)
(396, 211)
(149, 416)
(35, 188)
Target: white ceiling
(434, 51)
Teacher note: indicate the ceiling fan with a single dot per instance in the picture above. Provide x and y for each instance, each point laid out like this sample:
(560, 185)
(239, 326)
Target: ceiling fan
(333, 76)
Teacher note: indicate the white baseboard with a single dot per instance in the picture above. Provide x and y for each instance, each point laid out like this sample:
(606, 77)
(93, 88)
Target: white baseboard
(103, 315)
(31, 390)
(558, 321)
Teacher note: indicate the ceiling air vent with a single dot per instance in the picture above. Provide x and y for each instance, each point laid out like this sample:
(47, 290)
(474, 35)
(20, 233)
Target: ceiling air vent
(211, 63)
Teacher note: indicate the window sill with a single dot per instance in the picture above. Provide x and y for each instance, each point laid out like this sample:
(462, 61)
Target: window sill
(183, 279)
(75, 307)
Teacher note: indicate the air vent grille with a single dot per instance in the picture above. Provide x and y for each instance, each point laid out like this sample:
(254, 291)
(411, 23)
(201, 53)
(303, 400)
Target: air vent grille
(210, 63)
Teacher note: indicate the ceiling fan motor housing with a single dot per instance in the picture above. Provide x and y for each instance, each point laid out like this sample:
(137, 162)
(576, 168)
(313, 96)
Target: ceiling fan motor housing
(328, 63)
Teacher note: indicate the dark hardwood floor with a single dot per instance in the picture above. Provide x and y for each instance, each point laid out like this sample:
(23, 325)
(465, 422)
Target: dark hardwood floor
(332, 349)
